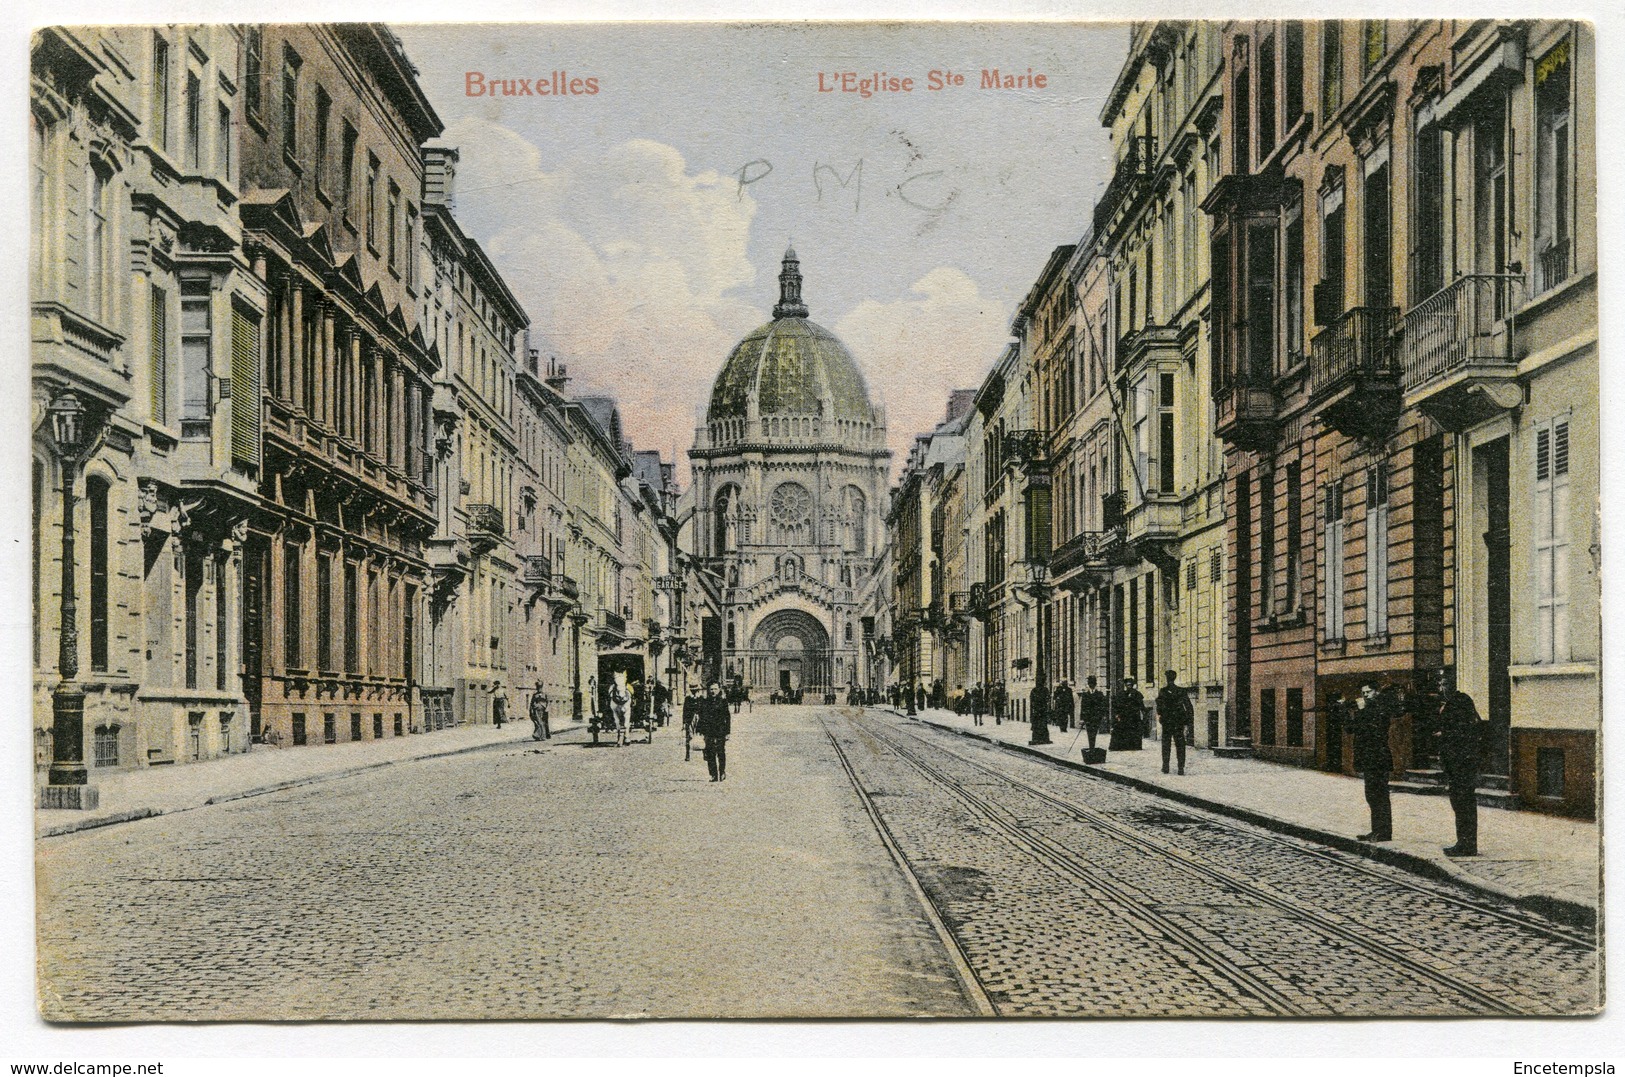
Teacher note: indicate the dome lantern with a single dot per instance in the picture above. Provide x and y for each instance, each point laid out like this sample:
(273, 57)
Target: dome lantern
(790, 304)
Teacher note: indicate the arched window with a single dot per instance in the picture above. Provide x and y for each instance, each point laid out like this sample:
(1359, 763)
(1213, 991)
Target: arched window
(725, 520)
(857, 521)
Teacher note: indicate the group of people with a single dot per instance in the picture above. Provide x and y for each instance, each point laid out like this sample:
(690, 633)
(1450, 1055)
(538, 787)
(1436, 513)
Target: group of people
(1457, 731)
(709, 716)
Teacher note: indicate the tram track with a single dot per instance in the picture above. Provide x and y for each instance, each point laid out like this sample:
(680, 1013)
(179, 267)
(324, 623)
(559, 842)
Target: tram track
(1245, 976)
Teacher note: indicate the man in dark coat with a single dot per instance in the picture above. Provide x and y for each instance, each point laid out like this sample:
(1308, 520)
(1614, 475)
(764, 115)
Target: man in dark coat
(1092, 711)
(1062, 715)
(978, 703)
(999, 700)
(1369, 721)
(1459, 736)
(714, 724)
(919, 696)
(1128, 719)
(1174, 712)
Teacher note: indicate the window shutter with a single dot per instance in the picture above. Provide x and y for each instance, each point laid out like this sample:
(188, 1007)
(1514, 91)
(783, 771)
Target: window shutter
(245, 382)
(158, 352)
(1560, 448)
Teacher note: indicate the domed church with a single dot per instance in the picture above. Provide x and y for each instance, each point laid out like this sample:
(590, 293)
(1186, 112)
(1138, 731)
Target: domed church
(789, 486)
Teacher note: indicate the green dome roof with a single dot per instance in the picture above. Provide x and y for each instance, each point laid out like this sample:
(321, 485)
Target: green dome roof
(792, 365)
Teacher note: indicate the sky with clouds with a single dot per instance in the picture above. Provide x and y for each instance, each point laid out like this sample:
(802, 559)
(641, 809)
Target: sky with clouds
(642, 226)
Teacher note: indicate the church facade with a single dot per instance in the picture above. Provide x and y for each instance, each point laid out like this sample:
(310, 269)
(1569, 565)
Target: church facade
(789, 485)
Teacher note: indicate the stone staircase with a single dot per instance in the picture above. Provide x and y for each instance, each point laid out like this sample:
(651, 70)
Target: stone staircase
(1493, 790)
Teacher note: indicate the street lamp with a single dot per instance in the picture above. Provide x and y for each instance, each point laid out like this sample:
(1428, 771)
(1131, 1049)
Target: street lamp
(1040, 588)
(68, 782)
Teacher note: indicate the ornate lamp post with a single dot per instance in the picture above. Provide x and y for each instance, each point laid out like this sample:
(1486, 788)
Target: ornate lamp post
(1040, 588)
(68, 781)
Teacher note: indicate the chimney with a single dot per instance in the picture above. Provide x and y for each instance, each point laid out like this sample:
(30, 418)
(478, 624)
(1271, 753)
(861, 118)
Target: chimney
(440, 176)
(558, 375)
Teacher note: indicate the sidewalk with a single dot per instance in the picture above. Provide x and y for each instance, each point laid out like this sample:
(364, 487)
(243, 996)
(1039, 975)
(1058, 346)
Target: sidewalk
(127, 795)
(1546, 863)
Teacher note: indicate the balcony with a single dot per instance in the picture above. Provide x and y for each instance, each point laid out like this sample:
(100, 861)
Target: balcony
(566, 586)
(1148, 343)
(484, 526)
(1554, 265)
(539, 572)
(1081, 562)
(1354, 378)
(1151, 532)
(611, 622)
(1246, 415)
(1456, 350)
(1129, 177)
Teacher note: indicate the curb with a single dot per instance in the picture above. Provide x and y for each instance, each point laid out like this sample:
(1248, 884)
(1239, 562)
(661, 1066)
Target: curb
(1562, 910)
(136, 814)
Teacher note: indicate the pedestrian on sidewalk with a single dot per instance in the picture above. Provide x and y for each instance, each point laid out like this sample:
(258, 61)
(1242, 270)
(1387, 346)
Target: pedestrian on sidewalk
(1370, 721)
(919, 696)
(713, 724)
(1128, 718)
(1460, 736)
(499, 706)
(1062, 713)
(538, 715)
(1092, 709)
(1174, 712)
(691, 715)
(978, 703)
(1000, 699)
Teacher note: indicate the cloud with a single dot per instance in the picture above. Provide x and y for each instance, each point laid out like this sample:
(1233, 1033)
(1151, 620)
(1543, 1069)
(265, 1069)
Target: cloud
(917, 348)
(625, 263)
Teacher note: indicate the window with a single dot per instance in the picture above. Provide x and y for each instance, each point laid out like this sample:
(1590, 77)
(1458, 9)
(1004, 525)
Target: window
(1374, 44)
(1331, 69)
(393, 222)
(1165, 434)
(1376, 551)
(1294, 74)
(372, 203)
(196, 359)
(98, 243)
(1294, 717)
(1266, 540)
(1329, 299)
(96, 489)
(330, 729)
(409, 636)
(107, 745)
(245, 386)
(1266, 97)
(194, 121)
(324, 611)
(1378, 239)
(160, 92)
(293, 653)
(1549, 767)
(222, 609)
(377, 725)
(352, 627)
(1190, 574)
(1215, 565)
(1334, 562)
(1292, 280)
(399, 730)
(1552, 541)
(355, 726)
(1241, 121)
(411, 246)
(1553, 168)
(1490, 192)
(290, 102)
(324, 118)
(253, 69)
(298, 730)
(192, 584)
(223, 142)
(347, 173)
(1294, 535)
(1266, 717)
(158, 354)
(1427, 208)
(1261, 285)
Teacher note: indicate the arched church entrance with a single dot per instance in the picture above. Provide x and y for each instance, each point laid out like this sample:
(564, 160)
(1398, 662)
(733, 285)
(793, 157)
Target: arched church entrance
(789, 653)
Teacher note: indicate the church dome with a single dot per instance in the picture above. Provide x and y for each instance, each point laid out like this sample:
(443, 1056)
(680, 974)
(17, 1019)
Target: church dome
(791, 366)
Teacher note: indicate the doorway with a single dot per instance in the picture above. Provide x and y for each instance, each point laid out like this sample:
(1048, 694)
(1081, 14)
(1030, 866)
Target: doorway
(1492, 462)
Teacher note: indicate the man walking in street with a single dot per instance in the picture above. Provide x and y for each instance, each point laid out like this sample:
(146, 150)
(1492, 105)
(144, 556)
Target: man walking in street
(538, 715)
(1174, 712)
(1459, 739)
(1370, 721)
(1063, 706)
(714, 724)
(1092, 710)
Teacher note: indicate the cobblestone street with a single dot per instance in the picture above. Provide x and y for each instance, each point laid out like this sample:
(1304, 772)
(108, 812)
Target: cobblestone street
(564, 880)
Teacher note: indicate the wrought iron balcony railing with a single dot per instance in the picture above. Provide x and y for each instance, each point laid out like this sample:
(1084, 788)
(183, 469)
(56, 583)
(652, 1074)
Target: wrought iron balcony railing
(1554, 264)
(485, 520)
(1467, 323)
(1357, 345)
